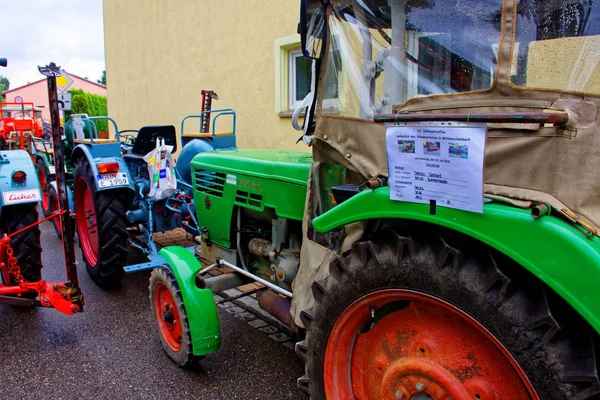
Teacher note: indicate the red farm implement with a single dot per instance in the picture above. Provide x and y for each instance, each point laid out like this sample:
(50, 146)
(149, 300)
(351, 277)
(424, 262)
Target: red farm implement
(20, 251)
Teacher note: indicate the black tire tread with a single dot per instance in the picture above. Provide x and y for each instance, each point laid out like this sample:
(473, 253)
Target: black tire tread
(112, 231)
(42, 168)
(550, 341)
(51, 196)
(26, 245)
(47, 130)
(185, 357)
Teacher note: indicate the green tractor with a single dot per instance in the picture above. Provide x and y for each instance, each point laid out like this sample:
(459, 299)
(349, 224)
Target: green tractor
(442, 240)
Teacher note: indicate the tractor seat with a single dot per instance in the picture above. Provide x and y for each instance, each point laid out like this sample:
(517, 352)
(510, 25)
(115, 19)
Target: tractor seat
(96, 141)
(145, 141)
(206, 135)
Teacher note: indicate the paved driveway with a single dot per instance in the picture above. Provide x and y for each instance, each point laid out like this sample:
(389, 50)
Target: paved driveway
(112, 350)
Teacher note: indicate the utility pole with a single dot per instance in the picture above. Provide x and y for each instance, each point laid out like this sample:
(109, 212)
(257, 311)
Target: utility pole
(51, 71)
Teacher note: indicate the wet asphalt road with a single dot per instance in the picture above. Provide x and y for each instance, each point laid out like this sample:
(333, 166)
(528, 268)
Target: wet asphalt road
(112, 350)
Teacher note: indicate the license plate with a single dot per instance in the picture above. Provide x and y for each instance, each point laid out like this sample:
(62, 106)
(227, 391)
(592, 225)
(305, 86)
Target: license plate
(112, 179)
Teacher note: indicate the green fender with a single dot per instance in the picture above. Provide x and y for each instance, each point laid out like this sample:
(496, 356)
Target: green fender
(199, 303)
(555, 251)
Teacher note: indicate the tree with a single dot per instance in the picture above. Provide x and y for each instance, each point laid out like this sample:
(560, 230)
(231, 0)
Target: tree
(4, 85)
(102, 79)
(90, 104)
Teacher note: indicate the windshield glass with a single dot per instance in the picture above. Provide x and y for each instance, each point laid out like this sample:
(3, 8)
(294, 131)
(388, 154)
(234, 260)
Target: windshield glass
(384, 52)
(16, 110)
(557, 45)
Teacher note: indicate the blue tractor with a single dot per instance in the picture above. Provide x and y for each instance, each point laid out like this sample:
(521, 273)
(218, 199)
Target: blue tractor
(20, 251)
(20, 193)
(111, 188)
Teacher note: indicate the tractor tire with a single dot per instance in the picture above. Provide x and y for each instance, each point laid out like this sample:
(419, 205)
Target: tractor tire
(102, 228)
(171, 317)
(53, 204)
(47, 131)
(414, 314)
(45, 177)
(26, 245)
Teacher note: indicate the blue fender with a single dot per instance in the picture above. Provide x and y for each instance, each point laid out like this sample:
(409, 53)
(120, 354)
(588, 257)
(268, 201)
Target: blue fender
(199, 303)
(13, 192)
(104, 153)
(189, 151)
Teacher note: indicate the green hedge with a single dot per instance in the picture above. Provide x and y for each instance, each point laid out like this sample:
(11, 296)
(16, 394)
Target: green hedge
(93, 105)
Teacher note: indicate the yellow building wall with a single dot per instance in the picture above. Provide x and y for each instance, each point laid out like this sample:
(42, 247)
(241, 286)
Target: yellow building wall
(161, 54)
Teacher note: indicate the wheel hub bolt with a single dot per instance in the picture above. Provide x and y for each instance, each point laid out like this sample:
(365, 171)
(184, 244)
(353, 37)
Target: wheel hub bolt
(398, 394)
(420, 386)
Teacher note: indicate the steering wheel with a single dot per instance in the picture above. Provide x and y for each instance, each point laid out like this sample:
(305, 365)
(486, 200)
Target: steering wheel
(128, 140)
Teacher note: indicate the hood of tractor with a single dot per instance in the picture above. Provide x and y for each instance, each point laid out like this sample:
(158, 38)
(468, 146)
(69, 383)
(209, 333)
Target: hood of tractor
(285, 166)
(266, 182)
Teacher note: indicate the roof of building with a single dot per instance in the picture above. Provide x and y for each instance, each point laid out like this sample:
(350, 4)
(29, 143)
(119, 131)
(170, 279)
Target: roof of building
(44, 79)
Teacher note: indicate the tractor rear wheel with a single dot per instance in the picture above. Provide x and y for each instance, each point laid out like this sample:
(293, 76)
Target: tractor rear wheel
(171, 317)
(45, 178)
(47, 130)
(409, 316)
(26, 245)
(101, 226)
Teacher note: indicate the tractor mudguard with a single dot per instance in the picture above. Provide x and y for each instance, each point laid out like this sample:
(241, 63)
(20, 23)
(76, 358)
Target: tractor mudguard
(104, 153)
(69, 195)
(199, 303)
(553, 250)
(46, 159)
(14, 192)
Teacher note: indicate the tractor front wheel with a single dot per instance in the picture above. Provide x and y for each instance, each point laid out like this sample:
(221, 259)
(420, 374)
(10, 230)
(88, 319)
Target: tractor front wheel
(409, 316)
(101, 226)
(26, 245)
(45, 178)
(53, 204)
(171, 317)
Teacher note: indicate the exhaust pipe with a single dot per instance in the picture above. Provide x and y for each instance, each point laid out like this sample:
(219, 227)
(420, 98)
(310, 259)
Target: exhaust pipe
(278, 306)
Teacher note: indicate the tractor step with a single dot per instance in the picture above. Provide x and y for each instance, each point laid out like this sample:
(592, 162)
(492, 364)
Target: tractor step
(155, 261)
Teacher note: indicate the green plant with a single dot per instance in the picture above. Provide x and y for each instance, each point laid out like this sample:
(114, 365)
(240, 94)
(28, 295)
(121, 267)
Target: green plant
(87, 103)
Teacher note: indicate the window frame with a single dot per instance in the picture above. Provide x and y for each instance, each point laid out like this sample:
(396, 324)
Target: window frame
(284, 47)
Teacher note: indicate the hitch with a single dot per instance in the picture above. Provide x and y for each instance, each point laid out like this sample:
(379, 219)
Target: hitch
(63, 297)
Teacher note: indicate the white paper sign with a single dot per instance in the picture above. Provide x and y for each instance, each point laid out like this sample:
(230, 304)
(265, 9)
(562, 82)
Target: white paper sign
(437, 162)
(78, 124)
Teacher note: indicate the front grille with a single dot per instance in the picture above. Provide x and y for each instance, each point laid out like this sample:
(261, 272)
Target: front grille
(252, 199)
(209, 182)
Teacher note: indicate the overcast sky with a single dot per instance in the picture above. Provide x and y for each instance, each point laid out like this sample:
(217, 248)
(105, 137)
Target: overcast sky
(36, 32)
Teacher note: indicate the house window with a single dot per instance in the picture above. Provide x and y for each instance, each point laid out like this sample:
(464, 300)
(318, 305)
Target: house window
(299, 77)
(292, 77)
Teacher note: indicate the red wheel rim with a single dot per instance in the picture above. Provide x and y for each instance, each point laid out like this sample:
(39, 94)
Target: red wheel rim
(42, 179)
(86, 221)
(57, 221)
(167, 316)
(425, 347)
